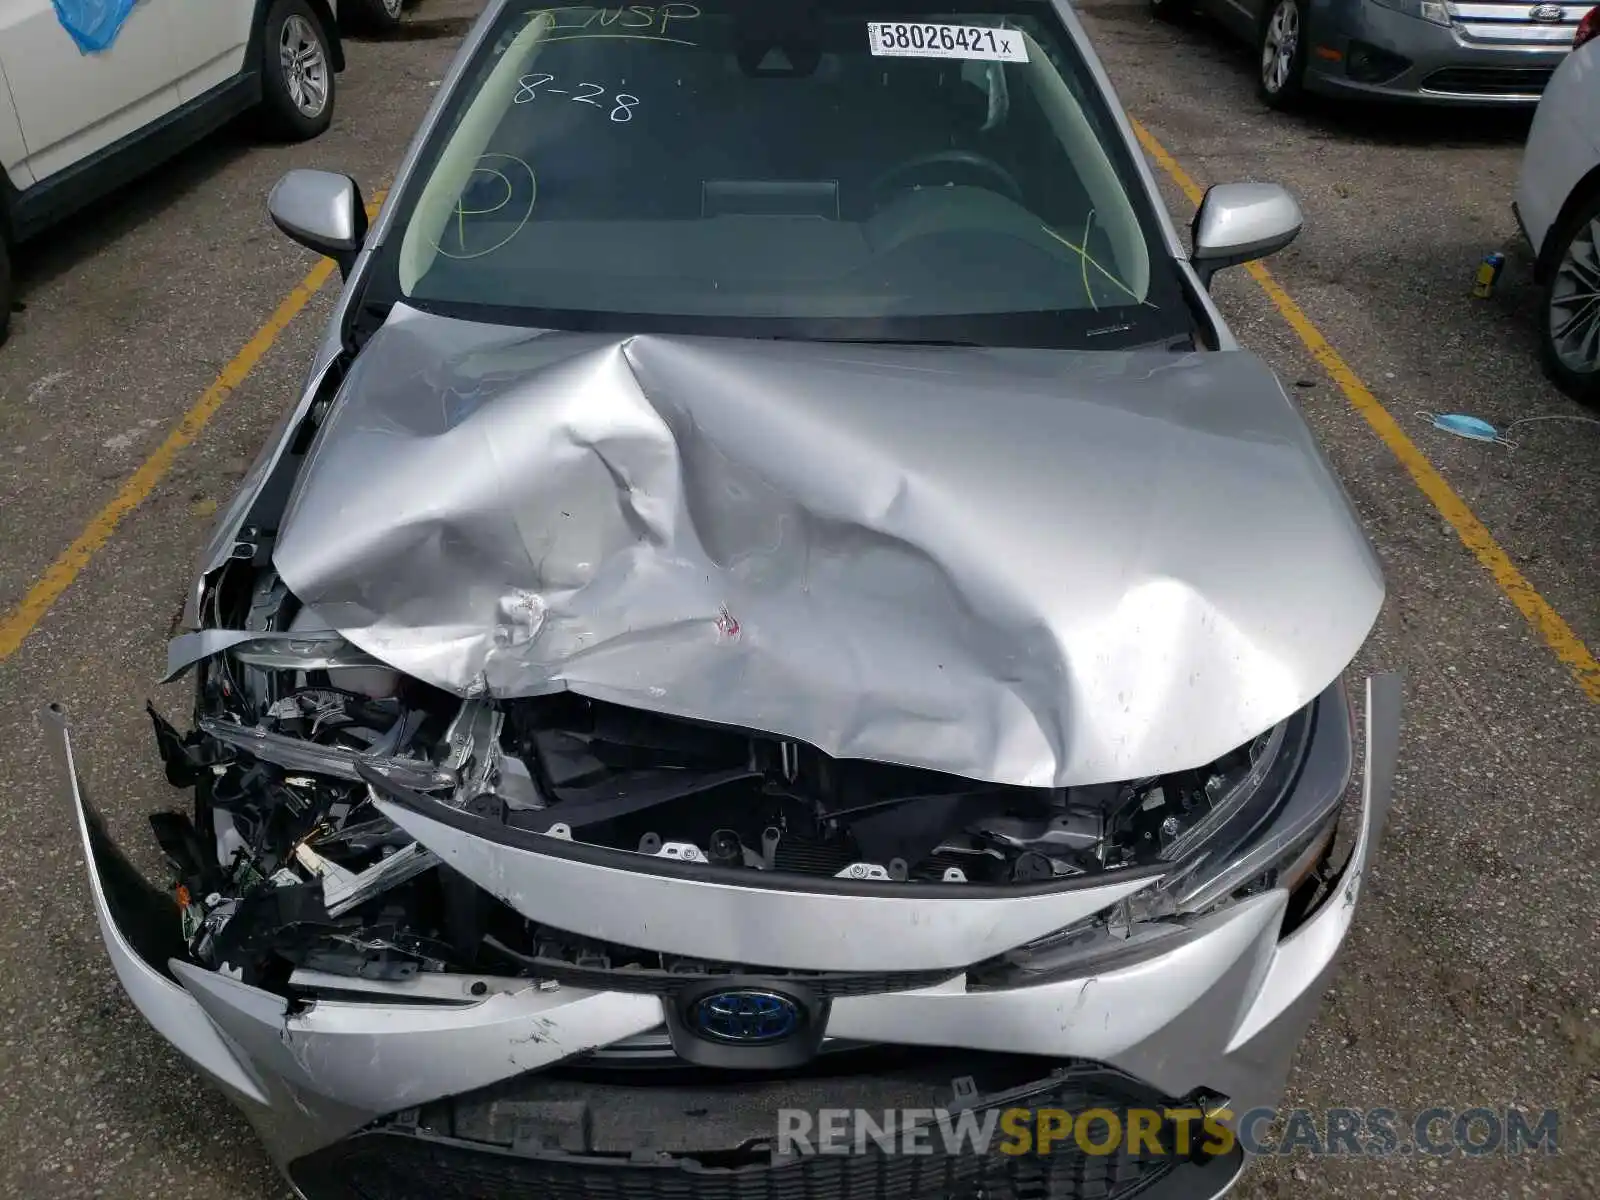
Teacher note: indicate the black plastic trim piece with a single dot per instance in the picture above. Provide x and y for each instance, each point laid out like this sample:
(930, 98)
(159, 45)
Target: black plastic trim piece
(776, 881)
(147, 919)
(1207, 333)
(651, 982)
(8, 207)
(409, 1158)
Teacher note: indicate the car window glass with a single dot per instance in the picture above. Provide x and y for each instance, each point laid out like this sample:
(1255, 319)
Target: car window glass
(761, 161)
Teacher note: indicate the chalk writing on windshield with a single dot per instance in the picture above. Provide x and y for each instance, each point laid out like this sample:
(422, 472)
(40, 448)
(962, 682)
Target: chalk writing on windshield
(489, 213)
(642, 22)
(621, 104)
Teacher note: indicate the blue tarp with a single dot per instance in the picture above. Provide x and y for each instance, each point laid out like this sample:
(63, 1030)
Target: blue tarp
(93, 24)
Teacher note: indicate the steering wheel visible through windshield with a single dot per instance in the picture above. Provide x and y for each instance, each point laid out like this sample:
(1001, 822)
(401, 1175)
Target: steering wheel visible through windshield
(797, 168)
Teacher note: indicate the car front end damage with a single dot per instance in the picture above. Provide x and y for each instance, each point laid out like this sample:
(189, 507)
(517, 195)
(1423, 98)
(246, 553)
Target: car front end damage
(556, 830)
(422, 1033)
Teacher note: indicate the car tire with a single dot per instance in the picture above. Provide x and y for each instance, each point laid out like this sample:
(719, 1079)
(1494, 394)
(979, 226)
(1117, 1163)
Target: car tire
(297, 77)
(5, 288)
(1569, 332)
(379, 16)
(1281, 57)
(1171, 11)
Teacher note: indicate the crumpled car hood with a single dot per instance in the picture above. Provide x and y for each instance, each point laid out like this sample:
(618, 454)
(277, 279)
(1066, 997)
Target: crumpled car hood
(1028, 567)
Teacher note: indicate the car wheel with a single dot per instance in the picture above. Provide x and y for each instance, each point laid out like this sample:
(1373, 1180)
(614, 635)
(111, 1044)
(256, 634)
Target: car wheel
(1170, 10)
(379, 15)
(5, 289)
(1571, 325)
(1283, 55)
(297, 74)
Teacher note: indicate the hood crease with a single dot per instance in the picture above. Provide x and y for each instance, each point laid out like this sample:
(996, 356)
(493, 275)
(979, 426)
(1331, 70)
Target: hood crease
(1041, 568)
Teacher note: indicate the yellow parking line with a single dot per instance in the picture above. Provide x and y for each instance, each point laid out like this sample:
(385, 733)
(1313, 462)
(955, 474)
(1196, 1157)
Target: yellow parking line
(20, 621)
(1558, 635)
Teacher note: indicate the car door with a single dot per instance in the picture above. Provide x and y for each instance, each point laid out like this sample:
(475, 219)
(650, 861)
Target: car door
(13, 151)
(209, 43)
(72, 104)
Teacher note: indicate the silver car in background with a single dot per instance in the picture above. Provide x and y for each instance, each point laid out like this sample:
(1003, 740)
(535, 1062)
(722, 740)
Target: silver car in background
(1452, 52)
(780, 592)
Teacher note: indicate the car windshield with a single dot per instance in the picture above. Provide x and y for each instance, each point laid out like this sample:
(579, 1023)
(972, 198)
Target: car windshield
(827, 169)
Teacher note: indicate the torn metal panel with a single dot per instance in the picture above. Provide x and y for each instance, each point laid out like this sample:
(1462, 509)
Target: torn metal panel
(296, 754)
(278, 650)
(1027, 567)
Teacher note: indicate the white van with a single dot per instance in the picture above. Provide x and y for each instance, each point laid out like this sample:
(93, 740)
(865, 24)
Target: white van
(76, 122)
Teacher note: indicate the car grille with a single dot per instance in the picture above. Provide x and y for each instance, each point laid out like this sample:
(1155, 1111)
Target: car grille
(1489, 81)
(1501, 23)
(416, 1160)
(391, 1167)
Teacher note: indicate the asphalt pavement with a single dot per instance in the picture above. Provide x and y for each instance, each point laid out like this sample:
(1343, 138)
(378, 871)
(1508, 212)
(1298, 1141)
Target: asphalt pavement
(1473, 972)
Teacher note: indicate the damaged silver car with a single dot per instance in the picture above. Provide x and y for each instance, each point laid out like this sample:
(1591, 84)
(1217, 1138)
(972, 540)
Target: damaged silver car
(780, 592)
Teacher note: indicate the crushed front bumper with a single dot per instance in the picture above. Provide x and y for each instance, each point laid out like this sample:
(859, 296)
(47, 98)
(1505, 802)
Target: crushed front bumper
(340, 1081)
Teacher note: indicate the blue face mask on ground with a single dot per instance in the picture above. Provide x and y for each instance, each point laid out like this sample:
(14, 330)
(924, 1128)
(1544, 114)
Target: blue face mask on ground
(1478, 430)
(1466, 426)
(1462, 425)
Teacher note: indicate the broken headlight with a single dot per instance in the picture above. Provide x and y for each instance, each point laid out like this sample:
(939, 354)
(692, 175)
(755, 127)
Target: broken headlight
(1261, 817)
(1258, 824)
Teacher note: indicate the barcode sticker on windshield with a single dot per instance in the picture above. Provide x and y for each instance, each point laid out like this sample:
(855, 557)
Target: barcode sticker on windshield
(913, 39)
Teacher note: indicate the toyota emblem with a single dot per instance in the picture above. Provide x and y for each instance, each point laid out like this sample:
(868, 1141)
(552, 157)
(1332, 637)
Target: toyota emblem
(746, 1016)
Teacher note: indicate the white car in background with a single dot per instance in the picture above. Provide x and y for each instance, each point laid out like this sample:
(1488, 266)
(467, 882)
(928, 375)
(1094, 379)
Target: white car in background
(1558, 206)
(76, 123)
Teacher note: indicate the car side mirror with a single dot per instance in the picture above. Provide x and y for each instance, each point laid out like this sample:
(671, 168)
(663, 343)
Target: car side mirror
(323, 212)
(1240, 222)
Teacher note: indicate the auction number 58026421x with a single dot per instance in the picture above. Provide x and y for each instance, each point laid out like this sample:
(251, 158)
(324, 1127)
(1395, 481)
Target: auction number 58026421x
(918, 39)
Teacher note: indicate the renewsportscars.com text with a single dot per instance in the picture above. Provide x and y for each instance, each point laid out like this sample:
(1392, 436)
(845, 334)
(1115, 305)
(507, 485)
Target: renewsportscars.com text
(1375, 1132)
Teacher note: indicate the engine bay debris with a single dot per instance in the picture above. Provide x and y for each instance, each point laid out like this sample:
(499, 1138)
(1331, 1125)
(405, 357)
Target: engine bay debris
(647, 623)
(287, 866)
